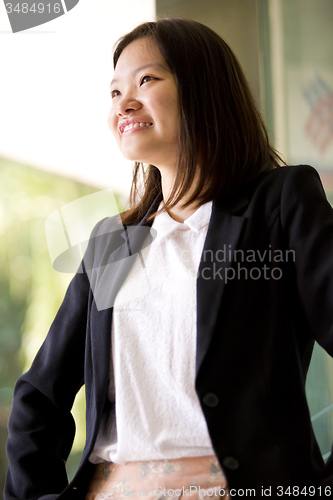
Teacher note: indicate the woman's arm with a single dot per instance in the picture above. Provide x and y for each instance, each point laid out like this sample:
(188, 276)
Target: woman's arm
(41, 427)
(307, 218)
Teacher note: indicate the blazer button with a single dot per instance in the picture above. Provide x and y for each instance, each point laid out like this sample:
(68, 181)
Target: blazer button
(230, 463)
(210, 399)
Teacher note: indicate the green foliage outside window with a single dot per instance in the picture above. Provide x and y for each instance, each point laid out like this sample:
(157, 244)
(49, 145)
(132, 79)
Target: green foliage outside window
(31, 291)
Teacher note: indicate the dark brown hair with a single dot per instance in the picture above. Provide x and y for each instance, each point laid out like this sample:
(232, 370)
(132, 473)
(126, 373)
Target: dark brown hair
(221, 130)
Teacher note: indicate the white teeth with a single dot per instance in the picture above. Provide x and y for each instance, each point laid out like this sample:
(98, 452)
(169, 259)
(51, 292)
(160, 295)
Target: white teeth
(136, 125)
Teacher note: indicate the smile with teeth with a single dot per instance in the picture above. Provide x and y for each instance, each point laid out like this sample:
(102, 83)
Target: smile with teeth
(136, 125)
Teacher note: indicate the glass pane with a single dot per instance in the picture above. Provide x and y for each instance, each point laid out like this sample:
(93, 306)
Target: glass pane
(234, 20)
(302, 82)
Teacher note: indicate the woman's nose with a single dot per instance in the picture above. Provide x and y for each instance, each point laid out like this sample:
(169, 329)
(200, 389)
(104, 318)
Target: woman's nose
(125, 106)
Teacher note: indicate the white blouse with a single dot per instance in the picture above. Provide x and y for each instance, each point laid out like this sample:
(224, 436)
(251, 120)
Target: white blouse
(157, 411)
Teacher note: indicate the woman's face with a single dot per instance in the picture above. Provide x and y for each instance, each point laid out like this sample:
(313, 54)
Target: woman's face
(144, 115)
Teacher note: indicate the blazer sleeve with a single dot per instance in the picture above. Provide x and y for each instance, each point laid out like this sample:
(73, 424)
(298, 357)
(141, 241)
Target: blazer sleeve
(41, 428)
(307, 219)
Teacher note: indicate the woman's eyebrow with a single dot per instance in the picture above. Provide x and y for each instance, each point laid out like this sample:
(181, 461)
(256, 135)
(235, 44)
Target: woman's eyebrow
(137, 70)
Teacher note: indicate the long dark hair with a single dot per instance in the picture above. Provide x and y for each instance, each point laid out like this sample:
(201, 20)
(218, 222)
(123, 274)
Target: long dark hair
(221, 130)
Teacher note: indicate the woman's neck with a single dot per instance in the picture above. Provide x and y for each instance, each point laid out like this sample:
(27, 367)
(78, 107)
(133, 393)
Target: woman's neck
(178, 213)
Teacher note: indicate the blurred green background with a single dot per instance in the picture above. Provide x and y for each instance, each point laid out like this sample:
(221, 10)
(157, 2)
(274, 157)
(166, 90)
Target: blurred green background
(31, 291)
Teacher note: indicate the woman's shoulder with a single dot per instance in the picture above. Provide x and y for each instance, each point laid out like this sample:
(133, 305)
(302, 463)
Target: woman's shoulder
(266, 189)
(107, 226)
(275, 183)
(283, 173)
(106, 236)
(274, 190)
(287, 190)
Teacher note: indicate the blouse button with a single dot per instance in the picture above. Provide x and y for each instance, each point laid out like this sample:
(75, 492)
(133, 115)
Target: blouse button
(210, 399)
(230, 463)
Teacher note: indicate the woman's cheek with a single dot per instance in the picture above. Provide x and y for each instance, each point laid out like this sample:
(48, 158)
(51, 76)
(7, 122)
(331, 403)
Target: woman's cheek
(112, 122)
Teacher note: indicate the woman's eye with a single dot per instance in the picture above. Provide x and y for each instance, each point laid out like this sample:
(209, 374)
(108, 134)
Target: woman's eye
(146, 79)
(114, 93)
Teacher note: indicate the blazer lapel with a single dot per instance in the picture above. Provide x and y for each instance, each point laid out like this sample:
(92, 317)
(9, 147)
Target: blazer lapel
(105, 282)
(107, 279)
(215, 266)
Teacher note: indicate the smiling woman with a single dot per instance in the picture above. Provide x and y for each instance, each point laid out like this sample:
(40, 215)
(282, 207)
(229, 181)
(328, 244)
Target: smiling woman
(144, 116)
(194, 380)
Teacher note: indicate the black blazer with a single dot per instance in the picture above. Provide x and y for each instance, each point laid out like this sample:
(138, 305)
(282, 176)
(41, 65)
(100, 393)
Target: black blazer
(259, 310)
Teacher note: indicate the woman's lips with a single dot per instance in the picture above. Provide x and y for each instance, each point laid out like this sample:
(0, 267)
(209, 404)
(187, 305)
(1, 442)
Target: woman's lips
(134, 126)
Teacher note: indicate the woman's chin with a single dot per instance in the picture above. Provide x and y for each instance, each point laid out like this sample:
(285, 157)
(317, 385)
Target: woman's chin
(132, 156)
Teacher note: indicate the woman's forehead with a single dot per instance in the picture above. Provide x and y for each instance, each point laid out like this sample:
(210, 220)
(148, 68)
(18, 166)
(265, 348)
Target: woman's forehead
(139, 55)
(140, 51)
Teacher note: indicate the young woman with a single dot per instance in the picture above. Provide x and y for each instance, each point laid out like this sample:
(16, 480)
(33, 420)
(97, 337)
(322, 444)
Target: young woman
(192, 320)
